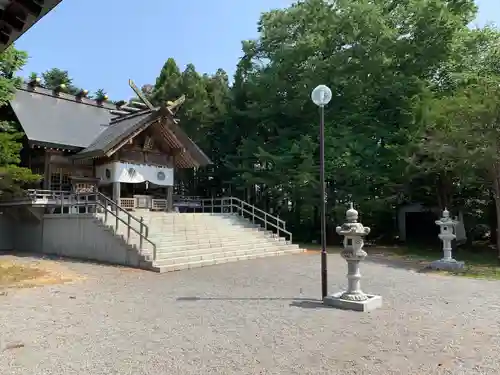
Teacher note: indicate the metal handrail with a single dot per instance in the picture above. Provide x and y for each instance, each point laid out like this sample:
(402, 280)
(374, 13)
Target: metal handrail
(244, 207)
(176, 197)
(143, 231)
(246, 204)
(129, 228)
(48, 193)
(121, 209)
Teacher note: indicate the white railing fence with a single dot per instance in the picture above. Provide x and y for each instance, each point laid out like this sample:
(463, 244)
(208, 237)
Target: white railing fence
(66, 202)
(233, 205)
(93, 203)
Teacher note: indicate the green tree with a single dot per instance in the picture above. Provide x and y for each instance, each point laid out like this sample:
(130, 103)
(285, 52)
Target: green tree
(100, 95)
(53, 78)
(379, 59)
(386, 63)
(203, 116)
(466, 133)
(461, 141)
(12, 176)
(168, 83)
(443, 170)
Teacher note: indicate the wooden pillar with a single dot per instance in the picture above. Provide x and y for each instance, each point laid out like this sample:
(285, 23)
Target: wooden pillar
(170, 201)
(170, 189)
(46, 171)
(116, 192)
(116, 185)
(96, 185)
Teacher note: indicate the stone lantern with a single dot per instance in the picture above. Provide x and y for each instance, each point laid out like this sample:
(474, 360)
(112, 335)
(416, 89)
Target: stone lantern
(353, 298)
(447, 235)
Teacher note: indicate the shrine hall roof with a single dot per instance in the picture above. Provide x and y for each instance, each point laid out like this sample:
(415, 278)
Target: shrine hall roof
(60, 120)
(122, 128)
(117, 131)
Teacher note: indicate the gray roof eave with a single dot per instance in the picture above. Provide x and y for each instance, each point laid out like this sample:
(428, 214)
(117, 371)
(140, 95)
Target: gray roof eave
(88, 155)
(58, 119)
(96, 150)
(54, 145)
(147, 121)
(198, 154)
(9, 10)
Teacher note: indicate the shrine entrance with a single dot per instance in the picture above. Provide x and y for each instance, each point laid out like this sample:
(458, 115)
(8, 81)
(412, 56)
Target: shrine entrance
(421, 227)
(137, 186)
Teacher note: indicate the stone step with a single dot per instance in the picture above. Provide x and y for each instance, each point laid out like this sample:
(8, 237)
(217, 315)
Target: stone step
(194, 240)
(201, 237)
(211, 222)
(178, 217)
(206, 251)
(185, 217)
(166, 216)
(133, 241)
(188, 231)
(193, 229)
(208, 219)
(166, 253)
(174, 240)
(220, 253)
(157, 226)
(261, 236)
(214, 244)
(147, 213)
(157, 231)
(180, 236)
(159, 267)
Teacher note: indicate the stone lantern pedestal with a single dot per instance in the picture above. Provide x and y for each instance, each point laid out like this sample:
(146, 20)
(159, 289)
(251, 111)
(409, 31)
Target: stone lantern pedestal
(447, 235)
(353, 298)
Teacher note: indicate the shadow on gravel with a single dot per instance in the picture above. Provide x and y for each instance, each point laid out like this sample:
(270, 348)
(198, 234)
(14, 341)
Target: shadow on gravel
(56, 258)
(395, 261)
(242, 299)
(387, 258)
(307, 303)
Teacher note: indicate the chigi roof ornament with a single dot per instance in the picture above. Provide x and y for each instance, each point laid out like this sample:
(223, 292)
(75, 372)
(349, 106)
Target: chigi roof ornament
(61, 88)
(34, 81)
(82, 94)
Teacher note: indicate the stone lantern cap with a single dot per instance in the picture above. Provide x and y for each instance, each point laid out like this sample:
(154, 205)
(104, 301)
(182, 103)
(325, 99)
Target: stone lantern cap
(351, 214)
(446, 219)
(352, 228)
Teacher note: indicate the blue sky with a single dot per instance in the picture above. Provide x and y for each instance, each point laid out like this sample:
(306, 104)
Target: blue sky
(103, 43)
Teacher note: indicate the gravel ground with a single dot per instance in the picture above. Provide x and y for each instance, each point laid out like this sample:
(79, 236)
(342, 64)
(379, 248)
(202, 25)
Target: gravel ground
(251, 317)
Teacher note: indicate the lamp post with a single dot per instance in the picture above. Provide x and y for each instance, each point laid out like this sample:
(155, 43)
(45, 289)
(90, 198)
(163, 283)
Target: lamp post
(321, 96)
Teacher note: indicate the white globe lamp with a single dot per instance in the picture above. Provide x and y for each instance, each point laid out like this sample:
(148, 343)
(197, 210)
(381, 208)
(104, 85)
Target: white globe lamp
(321, 95)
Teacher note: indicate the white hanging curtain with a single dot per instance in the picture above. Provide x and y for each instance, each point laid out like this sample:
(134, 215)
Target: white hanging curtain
(137, 173)
(129, 173)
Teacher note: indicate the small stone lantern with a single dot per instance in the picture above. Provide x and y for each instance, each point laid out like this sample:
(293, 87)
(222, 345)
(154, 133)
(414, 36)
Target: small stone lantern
(353, 298)
(447, 235)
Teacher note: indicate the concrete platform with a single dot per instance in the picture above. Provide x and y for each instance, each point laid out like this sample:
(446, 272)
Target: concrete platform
(373, 302)
(447, 265)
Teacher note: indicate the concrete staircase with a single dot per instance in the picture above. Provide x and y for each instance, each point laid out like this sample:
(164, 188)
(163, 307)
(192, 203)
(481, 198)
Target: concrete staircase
(190, 240)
